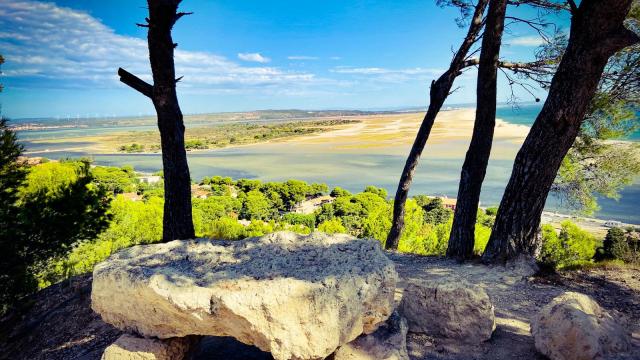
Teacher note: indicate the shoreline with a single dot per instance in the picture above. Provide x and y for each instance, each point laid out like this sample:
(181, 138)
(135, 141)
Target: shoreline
(375, 149)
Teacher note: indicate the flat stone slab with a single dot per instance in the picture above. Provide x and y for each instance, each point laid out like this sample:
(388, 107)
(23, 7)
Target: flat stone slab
(298, 297)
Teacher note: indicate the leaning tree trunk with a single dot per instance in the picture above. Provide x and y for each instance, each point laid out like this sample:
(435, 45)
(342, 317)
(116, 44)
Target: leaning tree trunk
(440, 89)
(597, 32)
(177, 221)
(461, 239)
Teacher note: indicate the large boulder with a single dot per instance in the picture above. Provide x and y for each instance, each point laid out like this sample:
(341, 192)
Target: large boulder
(389, 342)
(574, 327)
(298, 297)
(131, 347)
(454, 310)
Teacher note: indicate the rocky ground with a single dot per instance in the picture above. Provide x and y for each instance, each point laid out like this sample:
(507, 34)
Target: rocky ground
(58, 323)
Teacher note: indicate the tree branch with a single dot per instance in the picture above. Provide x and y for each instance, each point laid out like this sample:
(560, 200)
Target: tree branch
(135, 82)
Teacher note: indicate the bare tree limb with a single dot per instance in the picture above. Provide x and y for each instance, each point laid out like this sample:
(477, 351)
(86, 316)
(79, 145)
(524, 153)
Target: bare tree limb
(135, 82)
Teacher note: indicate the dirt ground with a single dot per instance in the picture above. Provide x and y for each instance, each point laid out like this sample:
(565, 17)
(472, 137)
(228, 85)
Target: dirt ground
(517, 297)
(58, 323)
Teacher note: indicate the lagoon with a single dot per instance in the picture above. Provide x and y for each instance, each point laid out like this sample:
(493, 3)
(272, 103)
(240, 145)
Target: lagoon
(339, 163)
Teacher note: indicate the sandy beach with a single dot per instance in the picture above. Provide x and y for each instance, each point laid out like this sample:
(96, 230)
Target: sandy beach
(394, 134)
(390, 134)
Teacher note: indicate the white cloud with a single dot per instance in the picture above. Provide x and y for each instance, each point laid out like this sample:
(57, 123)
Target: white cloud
(56, 47)
(389, 75)
(379, 71)
(530, 41)
(254, 57)
(302, 57)
(335, 58)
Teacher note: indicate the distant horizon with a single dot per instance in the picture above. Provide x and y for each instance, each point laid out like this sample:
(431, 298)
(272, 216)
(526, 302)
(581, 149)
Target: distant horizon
(417, 108)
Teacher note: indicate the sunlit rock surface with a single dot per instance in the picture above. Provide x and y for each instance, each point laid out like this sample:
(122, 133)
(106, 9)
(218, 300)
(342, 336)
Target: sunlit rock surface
(573, 326)
(298, 297)
(455, 310)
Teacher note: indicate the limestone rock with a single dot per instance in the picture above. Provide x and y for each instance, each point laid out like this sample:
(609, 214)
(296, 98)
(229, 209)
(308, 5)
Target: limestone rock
(298, 297)
(389, 342)
(448, 309)
(574, 327)
(130, 347)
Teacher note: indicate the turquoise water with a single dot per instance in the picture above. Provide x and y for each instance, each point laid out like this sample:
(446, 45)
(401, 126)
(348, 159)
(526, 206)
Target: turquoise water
(526, 115)
(277, 162)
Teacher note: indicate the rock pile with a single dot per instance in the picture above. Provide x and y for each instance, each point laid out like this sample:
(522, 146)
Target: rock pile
(298, 297)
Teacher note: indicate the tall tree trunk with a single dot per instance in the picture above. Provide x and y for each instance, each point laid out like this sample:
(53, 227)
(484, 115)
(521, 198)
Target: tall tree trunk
(439, 91)
(177, 221)
(597, 32)
(461, 239)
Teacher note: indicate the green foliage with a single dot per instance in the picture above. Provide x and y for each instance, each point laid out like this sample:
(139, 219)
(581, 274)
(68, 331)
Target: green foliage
(435, 212)
(227, 133)
(596, 167)
(486, 218)
(308, 220)
(13, 276)
(133, 223)
(227, 228)
(572, 245)
(621, 244)
(132, 148)
(481, 236)
(57, 206)
(338, 191)
(492, 211)
(206, 211)
(364, 215)
(256, 206)
(377, 191)
(195, 144)
(332, 226)
(114, 179)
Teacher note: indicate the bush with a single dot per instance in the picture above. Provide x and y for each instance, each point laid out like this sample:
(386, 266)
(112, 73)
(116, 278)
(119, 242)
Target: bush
(256, 206)
(620, 244)
(376, 190)
(114, 179)
(338, 191)
(482, 235)
(308, 220)
(332, 226)
(227, 228)
(434, 212)
(572, 245)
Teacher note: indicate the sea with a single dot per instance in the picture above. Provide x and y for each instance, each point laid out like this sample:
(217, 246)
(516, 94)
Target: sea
(279, 162)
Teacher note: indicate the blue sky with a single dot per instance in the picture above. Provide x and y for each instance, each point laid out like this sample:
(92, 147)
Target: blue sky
(62, 56)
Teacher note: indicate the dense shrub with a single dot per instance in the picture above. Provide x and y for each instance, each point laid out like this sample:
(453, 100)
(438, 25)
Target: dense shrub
(571, 246)
(114, 179)
(434, 212)
(332, 226)
(308, 220)
(56, 206)
(621, 244)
